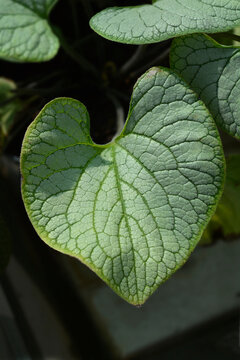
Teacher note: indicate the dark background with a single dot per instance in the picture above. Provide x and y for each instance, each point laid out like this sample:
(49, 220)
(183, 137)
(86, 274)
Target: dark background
(103, 91)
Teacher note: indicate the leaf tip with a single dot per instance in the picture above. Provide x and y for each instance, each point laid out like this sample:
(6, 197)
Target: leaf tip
(153, 71)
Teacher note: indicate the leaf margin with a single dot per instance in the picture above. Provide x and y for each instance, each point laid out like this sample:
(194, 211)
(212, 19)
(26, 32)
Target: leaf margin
(43, 235)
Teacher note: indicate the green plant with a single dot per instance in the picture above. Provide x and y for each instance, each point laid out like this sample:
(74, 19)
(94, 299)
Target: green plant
(165, 19)
(25, 32)
(8, 110)
(213, 72)
(226, 219)
(135, 208)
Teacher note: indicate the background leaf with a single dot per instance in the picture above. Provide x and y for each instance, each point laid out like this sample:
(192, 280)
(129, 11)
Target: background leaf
(9, 109)
(213, 72)
(25, 34)
(165, 19)
(132, 210)
(227, 216)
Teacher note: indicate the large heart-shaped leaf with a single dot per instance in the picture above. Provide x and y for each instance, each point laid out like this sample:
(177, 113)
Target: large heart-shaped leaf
(165, 19)
(213, 71)
(133, 209)
(25, 34)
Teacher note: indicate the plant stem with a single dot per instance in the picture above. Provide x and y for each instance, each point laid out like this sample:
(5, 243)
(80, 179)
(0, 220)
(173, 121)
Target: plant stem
(153, 62)
(79, 59)
(133, 60)
(40, 79)
(119, 114)
(75, 18)
(88, 8)
(73, 54)
(83, 40)
(231, 36)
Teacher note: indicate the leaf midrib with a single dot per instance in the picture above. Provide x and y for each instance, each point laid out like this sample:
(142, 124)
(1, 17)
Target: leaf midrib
(124, 213)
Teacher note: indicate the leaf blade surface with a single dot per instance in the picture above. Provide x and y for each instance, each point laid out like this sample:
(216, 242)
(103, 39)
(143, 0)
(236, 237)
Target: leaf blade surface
(213, 72)
(165, 19)
(134, 209)
(25, 34)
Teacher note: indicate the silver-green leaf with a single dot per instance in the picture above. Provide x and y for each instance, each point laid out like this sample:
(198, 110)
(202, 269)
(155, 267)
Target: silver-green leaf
(213, 72)
(134, 209)
(25, 34)
(165, 19)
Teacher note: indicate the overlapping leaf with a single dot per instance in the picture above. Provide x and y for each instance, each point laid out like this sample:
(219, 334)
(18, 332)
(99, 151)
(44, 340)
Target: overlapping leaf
(165, 19)
(133, 209)
(25, 34)
(213, 71)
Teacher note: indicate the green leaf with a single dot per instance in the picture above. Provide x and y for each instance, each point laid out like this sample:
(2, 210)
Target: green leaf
(9, 109)
(25, 34)
(227, 216)
(165, 19)
(5, 244)
(213, 72)
(134, 209)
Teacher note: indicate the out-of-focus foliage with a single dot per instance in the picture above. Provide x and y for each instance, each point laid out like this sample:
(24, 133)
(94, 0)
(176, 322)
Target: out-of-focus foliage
(8, 108)
(227, 216)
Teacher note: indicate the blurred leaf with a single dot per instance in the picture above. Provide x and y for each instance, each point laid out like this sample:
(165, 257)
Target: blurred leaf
(227, 217)
(8, 109)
